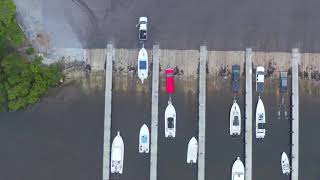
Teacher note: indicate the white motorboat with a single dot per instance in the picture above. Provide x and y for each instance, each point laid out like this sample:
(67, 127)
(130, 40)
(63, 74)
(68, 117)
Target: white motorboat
(117, 154)
(260, 120)
(143, 64)
(237, 170)
(285, 165)
(144, 139)
(170, 121)
(235, 119)
(192, 152)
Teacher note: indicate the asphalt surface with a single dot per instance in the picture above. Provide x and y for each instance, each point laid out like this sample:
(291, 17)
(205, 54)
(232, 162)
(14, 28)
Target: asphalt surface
(186, 24)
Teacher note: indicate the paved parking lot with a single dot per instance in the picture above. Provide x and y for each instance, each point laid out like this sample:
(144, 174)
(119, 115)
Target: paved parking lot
(186, 24)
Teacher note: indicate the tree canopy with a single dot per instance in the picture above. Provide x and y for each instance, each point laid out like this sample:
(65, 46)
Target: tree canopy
(23, 81)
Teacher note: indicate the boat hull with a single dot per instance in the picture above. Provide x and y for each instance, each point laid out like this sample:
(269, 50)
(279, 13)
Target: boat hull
(117, 155)
(170, 121)
(144, 139)
(192, 152)
(235, 120)
(260, 120)
(143, 64)
(285, 165)
(237, 170)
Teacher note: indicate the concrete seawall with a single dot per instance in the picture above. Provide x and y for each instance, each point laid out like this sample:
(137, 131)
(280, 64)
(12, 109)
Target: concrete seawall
(219, 63)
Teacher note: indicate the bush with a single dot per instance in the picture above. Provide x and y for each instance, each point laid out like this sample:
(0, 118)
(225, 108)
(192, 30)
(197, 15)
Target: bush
(25, 82)
(30, 51)
(21, 82)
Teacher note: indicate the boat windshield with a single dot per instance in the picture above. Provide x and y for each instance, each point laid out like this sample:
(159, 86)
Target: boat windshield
(261, 126)
(170, 122)
(236, 121)
(143, 64)
(144, 139)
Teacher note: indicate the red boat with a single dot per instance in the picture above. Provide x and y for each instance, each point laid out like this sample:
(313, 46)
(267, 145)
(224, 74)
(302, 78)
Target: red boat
(169, 81)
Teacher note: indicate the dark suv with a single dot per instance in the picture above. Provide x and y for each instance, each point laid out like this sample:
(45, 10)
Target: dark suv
(235, 78)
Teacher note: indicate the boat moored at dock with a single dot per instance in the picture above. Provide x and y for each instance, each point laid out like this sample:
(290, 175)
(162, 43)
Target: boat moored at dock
(285, 165)
(260, 120)
(117, 154)
(192, 153)
(170, 121)
(143, 64)
(237, 170)
(235, 119)
(144, 139)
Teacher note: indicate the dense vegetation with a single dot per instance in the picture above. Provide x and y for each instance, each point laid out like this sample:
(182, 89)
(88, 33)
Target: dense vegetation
(23, 78)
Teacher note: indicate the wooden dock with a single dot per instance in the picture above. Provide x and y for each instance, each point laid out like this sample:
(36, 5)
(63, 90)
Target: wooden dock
(202, 112)
(154, 113)
(107, 113)
(295, 115)
(248, 116)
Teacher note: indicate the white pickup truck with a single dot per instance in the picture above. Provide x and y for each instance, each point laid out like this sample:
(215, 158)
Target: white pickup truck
(143, 24)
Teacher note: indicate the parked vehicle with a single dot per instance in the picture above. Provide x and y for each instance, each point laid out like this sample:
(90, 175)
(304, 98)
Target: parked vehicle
(143, 27)
(260, 79)
(283, 82)
(169, 80)
(235, 78)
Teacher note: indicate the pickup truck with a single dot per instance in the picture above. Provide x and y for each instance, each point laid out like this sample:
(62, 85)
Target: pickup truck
(143, 24)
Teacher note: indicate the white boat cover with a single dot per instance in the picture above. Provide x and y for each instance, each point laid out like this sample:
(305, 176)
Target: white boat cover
(285, 164)
(192, 152)
(143, 64)
(144, 139)
(170, 121)
(237, 170)
(260, 120)
(117, 154)
(235, 119)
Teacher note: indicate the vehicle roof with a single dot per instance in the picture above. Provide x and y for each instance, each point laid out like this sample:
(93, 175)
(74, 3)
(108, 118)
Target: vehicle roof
(143, 26)
(283, 74)
(260, 68)
(236, 67)
(141, 19)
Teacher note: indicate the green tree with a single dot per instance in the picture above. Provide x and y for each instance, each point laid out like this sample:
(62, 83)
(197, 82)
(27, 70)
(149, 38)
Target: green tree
(9, 29)
(7, 11)
(22, 82)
